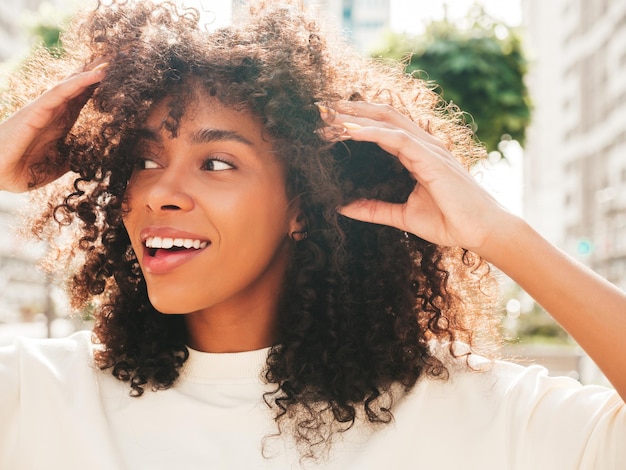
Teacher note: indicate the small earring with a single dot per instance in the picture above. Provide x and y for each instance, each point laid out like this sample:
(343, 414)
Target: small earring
(298, 236)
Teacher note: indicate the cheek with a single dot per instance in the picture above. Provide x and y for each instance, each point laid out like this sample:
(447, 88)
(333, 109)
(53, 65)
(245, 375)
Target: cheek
(129, 193)
(129, 217)
(131, 198)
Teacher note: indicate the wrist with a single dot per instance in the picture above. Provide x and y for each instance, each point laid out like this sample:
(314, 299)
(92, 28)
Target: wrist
(507, 242)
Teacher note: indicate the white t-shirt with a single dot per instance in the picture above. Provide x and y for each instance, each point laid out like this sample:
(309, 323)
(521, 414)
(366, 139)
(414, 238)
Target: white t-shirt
(58, 411)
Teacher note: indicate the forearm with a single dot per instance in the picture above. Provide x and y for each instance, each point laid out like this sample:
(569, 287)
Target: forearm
(592, 310)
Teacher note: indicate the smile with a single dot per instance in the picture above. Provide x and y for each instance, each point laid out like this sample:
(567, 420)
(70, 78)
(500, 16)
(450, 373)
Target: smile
(175, 244)
(163, 254)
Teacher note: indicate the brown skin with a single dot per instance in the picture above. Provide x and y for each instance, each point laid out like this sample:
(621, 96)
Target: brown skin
(229, 192)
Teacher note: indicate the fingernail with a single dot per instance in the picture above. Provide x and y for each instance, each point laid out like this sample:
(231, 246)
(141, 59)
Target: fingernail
(351, 126)
(99, 68)
(324, 110)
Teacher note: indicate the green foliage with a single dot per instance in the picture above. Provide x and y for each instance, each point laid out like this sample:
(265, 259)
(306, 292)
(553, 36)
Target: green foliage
(49, 34)
(479, 68)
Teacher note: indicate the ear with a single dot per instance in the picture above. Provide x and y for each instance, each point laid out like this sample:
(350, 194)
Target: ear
(298, 223)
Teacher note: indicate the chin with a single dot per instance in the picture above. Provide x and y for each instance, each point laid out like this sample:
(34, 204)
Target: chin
(169, 312)
(168, 307)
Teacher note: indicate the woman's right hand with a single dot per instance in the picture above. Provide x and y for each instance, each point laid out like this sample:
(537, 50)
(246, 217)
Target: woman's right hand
(28, 134)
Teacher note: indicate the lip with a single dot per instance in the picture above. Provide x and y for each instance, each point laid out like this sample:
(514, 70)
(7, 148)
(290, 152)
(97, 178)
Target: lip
(165, 261)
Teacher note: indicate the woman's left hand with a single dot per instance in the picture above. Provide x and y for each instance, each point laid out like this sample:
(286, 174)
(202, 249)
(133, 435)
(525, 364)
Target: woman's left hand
(447, 206)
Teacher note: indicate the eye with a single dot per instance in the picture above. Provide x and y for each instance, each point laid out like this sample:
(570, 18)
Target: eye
(216, 164)
(146, 164)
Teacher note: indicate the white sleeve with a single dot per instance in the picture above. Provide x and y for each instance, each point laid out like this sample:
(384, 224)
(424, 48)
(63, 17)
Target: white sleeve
(554, 422)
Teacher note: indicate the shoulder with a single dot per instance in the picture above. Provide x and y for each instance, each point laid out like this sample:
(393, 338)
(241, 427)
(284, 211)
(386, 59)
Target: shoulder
(515, 398)
(37, 347)
(536, 420)
(53, 358)
(471, 373)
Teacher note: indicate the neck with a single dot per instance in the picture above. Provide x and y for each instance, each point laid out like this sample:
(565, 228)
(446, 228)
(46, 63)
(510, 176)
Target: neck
(221, 330)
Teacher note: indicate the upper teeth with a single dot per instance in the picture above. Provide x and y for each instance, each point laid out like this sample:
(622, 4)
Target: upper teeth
(166, 243)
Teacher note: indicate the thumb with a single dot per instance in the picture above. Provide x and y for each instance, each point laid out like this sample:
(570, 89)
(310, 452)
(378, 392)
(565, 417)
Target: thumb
(375, 212)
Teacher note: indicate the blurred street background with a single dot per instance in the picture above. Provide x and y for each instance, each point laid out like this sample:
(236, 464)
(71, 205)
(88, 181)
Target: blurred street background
(544, 86)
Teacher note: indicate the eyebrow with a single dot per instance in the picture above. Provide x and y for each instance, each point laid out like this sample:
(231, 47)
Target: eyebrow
(201, 136)
(204, 136)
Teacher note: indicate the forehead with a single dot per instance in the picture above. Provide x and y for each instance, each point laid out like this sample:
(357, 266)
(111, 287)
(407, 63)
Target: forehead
(201, 121)
(173, 111)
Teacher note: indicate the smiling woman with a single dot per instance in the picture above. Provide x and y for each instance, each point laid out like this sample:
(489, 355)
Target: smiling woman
(214, 182)
(289, 263)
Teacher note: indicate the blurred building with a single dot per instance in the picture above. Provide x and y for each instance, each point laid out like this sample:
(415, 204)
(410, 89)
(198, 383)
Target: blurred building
(363, 21)
(575, 158)
(13, 38)
(23, 288)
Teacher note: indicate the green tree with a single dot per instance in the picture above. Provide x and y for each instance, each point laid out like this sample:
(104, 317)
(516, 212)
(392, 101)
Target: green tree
(479, 67)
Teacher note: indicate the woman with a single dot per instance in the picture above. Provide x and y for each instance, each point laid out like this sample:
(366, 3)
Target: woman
(285, 254)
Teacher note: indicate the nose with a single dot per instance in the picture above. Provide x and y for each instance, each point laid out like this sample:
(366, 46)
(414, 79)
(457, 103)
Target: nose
(168, 192)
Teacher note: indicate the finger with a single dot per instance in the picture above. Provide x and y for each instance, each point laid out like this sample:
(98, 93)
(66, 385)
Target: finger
(39, 113)
(426, 162)
(73, 86)
(403, 131)
(365, 113)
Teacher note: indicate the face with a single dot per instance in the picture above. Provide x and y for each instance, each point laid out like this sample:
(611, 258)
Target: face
(209, 218)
